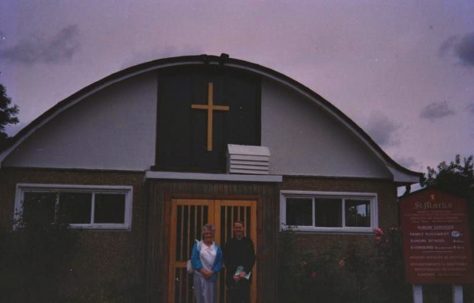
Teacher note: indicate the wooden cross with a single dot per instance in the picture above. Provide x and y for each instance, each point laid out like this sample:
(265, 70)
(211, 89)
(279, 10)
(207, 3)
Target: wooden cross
(210, 107)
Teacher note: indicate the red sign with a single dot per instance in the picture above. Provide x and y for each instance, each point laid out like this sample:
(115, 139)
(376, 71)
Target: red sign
(436, 242)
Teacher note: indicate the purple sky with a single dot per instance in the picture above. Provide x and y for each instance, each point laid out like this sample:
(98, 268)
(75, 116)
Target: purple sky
(402, 70)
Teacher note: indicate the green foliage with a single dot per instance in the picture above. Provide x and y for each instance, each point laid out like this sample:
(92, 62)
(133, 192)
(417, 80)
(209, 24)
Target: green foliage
(33, 260)
(457, 177)
(47, 262)
(343, 274)
(389, 267)
(7, 115)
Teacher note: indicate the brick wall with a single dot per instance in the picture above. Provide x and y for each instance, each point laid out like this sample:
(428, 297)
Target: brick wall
(118, 258)
(104, 258)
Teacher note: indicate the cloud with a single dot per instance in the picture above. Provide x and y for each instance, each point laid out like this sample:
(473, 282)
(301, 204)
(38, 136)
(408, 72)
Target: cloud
(461, 48)
(465, 49)
(436, 110)
(448, 45)
(470, 107)
(382, 130)
(409, 162)
(163, 52)
(13, 129)
(60, 48)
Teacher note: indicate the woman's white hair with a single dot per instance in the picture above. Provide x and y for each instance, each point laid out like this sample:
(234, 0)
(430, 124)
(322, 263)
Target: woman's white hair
(208, 228)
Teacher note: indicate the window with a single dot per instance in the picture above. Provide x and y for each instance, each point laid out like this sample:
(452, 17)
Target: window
(331, 212)
(299, 211)
(94, 207)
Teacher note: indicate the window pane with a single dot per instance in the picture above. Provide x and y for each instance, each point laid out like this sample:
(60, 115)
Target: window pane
(358, 213)
(38, 207)
(109, 208)
(328, 212)
(299, 211)
(75, 207)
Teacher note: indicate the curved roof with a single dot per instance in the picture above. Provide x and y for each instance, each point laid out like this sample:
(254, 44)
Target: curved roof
(400, 173)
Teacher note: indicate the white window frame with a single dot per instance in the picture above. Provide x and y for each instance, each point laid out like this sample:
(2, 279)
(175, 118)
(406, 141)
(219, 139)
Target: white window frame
(21, 188)
(372, 197)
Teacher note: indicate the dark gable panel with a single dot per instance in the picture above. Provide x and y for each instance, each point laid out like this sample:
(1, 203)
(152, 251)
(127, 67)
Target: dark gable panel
(182, 131)
(244, 122)
(174, 146)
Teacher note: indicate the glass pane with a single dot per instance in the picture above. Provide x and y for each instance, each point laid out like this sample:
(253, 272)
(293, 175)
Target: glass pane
(39, 207)
(299, 211)
(328, 212)
(109, 208)
(358, 213)
(75, 208)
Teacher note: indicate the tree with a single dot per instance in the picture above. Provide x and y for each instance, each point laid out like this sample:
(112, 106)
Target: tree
(8, 114)
(457, 177)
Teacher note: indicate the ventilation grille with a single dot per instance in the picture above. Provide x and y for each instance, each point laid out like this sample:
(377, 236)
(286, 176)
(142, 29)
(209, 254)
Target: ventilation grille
(248, 159)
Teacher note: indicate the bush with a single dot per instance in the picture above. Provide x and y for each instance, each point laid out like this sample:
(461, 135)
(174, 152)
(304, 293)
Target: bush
(46, 263)
(33, 260)
(344, 274)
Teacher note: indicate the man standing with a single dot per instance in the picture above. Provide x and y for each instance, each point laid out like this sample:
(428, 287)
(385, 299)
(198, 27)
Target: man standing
(239, 258)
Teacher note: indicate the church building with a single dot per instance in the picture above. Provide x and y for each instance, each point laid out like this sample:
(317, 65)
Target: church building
(142, 159)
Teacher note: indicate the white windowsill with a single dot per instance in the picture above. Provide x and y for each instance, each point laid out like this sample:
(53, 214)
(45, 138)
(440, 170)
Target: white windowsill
(106, 226)
(329, 230)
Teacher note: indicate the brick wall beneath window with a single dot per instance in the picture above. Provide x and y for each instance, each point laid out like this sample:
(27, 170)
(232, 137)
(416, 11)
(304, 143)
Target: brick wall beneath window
(107, 259)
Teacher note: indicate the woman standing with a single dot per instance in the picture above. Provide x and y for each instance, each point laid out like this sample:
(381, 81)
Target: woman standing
(206, 259)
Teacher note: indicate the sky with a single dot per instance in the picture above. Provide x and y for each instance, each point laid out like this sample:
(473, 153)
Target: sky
(402, 70)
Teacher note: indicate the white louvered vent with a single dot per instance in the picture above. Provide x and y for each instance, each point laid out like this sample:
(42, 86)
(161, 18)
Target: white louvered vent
(248, 159)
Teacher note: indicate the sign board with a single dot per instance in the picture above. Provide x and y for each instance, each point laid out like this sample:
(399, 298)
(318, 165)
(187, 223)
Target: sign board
(436, 241)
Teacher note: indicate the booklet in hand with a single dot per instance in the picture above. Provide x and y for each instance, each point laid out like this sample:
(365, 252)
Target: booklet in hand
(241, 269)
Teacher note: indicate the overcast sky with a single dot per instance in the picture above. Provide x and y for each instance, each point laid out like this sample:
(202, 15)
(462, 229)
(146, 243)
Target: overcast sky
(402, 70)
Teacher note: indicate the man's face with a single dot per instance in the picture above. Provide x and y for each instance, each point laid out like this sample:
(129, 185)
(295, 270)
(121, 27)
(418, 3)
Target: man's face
(238, 230)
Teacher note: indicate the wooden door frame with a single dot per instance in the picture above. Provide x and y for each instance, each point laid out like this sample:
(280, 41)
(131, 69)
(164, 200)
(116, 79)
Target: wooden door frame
(214, 216)
(172, 232)
(253, 235)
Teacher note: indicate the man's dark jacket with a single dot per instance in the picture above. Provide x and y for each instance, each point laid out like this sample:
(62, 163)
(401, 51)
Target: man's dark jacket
(238, 253)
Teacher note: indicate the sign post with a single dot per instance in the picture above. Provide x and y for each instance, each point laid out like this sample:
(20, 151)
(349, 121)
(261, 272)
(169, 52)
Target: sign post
(417, 294)
(457, 294)
(436, 241)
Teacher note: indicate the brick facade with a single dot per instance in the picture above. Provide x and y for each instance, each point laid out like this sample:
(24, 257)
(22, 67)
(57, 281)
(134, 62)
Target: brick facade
(130, 258)
(112, 258)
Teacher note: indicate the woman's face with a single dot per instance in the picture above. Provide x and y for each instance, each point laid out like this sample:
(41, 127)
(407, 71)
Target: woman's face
(208, 237)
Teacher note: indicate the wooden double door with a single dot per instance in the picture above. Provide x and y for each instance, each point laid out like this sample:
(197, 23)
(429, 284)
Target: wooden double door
(187, 218)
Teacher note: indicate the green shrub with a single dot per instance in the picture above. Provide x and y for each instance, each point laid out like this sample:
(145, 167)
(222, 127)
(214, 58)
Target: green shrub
(343, 273)
(47, 263)
(33, 260)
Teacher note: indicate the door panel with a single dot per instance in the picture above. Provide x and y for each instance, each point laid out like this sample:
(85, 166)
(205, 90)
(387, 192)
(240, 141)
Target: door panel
(227, 212)
(187, 218)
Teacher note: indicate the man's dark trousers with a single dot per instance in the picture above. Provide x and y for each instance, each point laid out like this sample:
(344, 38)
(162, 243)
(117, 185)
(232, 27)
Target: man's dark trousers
(238, 292)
